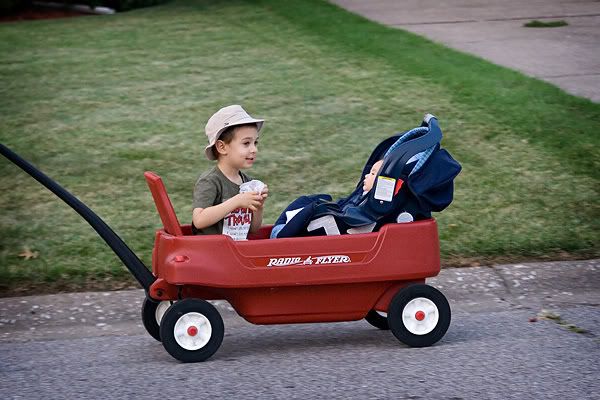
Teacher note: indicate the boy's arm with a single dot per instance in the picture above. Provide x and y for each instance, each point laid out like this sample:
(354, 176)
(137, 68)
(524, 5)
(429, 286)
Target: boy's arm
(204, 217)
(205, 198)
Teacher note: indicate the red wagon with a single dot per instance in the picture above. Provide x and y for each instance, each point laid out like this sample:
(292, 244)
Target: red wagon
(294, 280)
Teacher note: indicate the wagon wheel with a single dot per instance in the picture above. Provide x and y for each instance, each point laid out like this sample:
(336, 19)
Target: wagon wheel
(378, 320)
(152, 313)
(192, 330)
(419, 315)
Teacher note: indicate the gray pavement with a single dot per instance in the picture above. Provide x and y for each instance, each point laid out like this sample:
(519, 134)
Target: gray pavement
(568, 56)
(533, 287)
(491, 356)
(518, 331)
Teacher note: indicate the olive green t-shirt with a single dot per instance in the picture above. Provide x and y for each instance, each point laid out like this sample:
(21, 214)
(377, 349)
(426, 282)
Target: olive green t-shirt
(212, 188)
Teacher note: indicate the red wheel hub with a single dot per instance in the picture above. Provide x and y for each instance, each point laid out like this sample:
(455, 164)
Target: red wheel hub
(192, 331)
(420, 315)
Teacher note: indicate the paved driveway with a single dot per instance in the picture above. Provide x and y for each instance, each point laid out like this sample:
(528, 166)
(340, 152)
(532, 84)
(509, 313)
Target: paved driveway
(568, 56)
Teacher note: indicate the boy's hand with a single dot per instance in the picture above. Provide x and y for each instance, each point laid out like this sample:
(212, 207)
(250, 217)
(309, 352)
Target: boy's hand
(264, 194)
(250, 200)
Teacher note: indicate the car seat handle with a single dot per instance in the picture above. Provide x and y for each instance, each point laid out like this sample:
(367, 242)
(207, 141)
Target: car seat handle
(411, 147)
(427, 118)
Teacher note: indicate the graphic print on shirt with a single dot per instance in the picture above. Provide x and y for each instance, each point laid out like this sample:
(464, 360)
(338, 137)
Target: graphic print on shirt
(237, 223)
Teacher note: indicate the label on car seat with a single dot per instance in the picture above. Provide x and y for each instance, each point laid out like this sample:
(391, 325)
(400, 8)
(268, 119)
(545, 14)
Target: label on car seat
(385, 188)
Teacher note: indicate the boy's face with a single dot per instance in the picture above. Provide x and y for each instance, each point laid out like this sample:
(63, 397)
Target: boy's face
(241, 152)
(370, 177)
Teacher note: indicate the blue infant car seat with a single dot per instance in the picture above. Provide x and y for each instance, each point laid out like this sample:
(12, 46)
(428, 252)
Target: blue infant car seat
(416, 178)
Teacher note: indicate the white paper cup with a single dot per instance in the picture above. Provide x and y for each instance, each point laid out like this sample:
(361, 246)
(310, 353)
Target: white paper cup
(252, 186)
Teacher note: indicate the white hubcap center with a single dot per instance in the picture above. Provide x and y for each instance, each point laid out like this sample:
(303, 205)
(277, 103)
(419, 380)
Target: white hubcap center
(420, 316)
(192, 331)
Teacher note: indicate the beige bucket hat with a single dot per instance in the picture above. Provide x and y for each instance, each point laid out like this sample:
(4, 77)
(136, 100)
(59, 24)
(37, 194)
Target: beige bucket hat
(223, 119)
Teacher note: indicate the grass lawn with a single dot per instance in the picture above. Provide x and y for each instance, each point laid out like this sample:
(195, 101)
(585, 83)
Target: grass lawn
(96, 101)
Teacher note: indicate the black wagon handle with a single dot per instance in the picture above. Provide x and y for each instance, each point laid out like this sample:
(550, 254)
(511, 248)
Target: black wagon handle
(137, 268)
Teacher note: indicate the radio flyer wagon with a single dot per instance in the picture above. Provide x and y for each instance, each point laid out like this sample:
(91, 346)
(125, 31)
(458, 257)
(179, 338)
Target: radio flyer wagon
(276, 281)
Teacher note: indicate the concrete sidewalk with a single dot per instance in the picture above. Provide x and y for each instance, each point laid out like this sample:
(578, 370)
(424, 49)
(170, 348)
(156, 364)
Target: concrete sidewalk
(527, 287)
(568, 56)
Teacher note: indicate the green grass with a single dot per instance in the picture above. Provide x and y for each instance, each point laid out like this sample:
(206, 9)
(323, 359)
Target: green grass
(96, 101)
(545, 24)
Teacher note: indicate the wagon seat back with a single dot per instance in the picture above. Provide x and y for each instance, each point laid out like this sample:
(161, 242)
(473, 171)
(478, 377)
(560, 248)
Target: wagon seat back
(163, 204)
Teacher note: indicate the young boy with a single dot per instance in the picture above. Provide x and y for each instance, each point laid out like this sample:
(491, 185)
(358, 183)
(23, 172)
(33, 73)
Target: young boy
(218, 206)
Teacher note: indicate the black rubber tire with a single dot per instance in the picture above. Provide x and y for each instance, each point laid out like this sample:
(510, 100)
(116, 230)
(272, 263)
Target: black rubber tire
(402, 298)
(377, 320)
(171, 317)
(149, 317)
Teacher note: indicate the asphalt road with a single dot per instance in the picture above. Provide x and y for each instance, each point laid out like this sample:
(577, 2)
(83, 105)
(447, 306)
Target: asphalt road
(518, 332)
